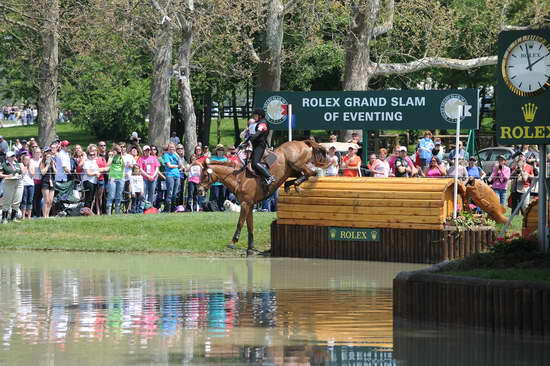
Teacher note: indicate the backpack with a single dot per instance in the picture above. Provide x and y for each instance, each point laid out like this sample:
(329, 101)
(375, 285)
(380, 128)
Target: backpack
(211, 206)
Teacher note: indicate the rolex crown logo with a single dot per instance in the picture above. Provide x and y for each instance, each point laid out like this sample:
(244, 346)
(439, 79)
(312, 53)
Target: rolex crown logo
(529, 111)
(332, 233)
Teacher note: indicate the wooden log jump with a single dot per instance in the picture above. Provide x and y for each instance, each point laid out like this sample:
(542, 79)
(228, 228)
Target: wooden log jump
(383, 219)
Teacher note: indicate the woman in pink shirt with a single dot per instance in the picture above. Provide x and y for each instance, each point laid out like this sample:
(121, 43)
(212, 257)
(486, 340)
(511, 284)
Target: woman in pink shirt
(149, 166)
(500, 177)
(435, 169)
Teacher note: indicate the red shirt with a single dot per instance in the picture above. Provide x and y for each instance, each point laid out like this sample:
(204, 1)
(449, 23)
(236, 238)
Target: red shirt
(101, 163)
(352, 166)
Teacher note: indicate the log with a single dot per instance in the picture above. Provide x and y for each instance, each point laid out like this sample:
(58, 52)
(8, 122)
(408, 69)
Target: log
(364, 210)
(387, 218)
(370, 202)
(358, 224)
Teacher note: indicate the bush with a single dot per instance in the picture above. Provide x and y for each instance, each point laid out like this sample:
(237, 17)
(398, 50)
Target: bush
(111, 105)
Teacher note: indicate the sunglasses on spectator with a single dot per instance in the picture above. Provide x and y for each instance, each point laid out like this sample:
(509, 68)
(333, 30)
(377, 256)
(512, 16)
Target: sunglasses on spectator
(101, 145)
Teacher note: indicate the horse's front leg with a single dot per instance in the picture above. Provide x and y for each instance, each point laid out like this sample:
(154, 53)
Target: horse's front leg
(240, 223)
(250, 228)
(306, 173)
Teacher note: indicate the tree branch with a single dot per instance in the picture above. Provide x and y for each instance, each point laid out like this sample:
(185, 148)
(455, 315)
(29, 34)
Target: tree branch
(252, 51)
(429, 62)
(290, 5)
(388, 24)
(527, 27)
(19, 24)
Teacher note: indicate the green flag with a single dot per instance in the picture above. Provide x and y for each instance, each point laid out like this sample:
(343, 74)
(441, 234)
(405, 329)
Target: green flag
(471, 147)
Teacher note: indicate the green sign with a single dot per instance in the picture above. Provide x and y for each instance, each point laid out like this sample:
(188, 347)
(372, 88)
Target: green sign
(523, 83)
(346, 233)
(370, 110)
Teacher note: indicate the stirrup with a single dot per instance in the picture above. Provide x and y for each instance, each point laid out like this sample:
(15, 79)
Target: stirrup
(269, 180)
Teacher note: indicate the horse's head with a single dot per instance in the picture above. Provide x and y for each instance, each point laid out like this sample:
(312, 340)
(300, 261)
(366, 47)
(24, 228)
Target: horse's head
(207, 177)
(318, 154)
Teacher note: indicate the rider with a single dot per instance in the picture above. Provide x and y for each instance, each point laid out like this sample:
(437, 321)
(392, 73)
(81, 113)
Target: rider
(257, 135)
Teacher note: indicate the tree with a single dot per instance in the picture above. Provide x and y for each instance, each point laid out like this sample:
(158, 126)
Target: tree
(429, 23)
(159, 110)
(45, 27)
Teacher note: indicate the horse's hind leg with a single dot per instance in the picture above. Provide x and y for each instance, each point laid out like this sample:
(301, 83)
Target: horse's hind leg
(250, 228)
(240, 223)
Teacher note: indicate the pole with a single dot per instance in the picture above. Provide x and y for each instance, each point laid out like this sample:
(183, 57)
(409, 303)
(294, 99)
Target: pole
(543, 237)
(290, 122)
(457, 153)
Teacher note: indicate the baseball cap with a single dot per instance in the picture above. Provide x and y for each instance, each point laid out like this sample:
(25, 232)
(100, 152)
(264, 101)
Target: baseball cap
(220, 147)
(473, 158)
(10, 154)
(179, 146)
(146, 147)
(23, 142)
(64, 143)
(403, 148)
(501, 157)
(1, 137)
(437, 143)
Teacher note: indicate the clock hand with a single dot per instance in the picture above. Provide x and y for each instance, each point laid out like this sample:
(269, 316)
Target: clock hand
(538, 60)
(529, 64)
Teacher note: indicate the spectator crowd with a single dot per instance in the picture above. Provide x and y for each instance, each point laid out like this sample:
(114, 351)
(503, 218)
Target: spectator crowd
(67, 179)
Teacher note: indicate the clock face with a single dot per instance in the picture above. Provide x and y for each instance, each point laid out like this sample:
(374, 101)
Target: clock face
(526, 65)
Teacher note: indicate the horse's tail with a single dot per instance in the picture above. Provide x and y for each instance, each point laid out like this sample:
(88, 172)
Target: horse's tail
(319, 152)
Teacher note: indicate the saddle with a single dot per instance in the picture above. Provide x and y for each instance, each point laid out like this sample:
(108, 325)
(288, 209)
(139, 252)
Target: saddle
(268, 160)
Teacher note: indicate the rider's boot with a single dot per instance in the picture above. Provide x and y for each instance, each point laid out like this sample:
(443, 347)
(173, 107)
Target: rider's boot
(268, 178)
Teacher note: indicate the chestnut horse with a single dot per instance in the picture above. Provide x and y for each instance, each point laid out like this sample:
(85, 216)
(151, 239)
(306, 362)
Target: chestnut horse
(292, 160)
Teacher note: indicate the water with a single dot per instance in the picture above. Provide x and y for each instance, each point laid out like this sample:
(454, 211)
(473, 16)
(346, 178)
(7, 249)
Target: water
(61, 308)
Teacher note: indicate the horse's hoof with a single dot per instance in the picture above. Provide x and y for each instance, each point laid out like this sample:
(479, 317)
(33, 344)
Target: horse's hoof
(287, 189)
(231, 246)
(298, 189)
(250, 252)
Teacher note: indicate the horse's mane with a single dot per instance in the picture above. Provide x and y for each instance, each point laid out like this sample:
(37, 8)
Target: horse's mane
(318, 151)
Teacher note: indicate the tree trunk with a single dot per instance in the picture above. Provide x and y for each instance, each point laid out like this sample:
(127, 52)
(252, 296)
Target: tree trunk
(47, 99)
(356, 70)
(269, 73)
(204, 133)
(235, 118)
(186, 99)
(159, 109)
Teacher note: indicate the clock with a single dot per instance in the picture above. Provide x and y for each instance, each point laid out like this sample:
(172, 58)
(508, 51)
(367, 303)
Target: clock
(526, 65)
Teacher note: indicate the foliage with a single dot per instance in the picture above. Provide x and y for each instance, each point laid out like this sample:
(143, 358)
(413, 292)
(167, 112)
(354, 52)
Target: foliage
(512, 252)
(111, 105)
(469, 220)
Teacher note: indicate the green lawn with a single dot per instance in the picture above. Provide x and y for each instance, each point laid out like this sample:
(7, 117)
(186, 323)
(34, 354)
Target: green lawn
(525, 274)
(203, 232)
(65, 131)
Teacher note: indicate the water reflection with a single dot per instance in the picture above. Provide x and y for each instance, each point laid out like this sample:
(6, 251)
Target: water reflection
(60, 308)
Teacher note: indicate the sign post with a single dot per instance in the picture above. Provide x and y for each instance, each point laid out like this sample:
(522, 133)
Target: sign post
(457, 153)
(523, 110)
(290, 122)
(542, 227)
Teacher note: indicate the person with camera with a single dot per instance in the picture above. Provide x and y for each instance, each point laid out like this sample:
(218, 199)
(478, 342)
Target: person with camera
(499, 178)
(11, 174)
(521, 178)
(48, 170)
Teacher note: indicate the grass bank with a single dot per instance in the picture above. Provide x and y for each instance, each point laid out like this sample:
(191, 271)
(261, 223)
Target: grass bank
(510, 259)
(523, 274)
(197, 233)
(65, 131)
